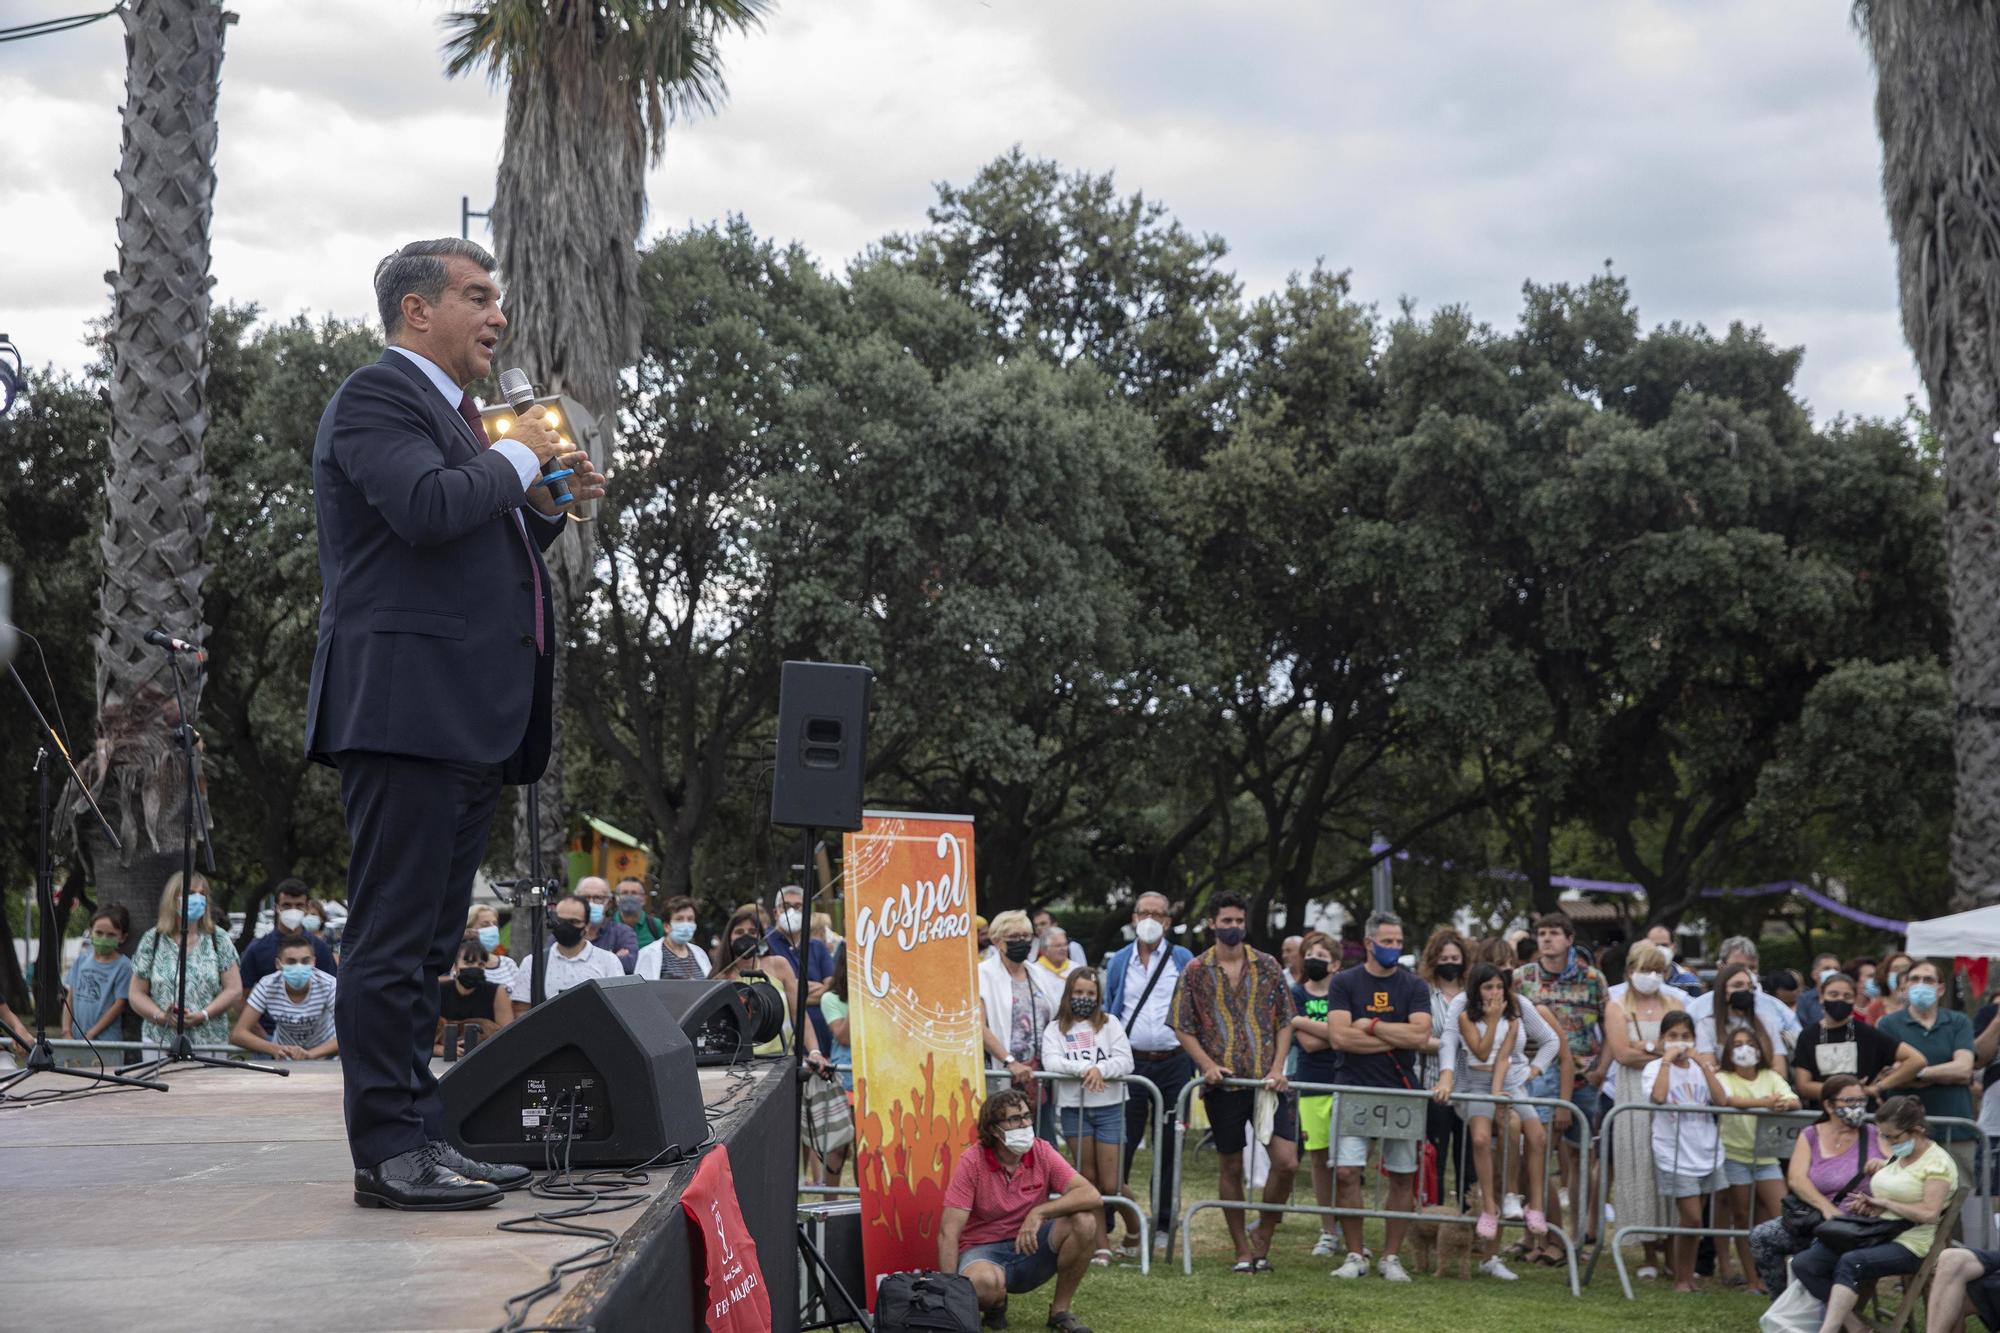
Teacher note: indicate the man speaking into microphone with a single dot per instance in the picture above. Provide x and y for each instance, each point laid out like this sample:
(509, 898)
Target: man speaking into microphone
(430, 686)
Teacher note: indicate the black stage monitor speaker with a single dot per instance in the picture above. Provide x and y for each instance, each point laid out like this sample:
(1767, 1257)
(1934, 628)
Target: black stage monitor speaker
(601, 1075)
(822, 745)
(717, 1018)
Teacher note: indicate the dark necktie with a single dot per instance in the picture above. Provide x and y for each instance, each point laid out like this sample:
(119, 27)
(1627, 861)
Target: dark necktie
(471, 415)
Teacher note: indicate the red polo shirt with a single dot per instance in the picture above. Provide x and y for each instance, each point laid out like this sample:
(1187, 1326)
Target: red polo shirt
(999, 1199)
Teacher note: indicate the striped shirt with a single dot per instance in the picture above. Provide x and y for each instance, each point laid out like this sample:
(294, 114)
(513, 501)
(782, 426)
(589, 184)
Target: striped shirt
(1238, 1023)
(304, 1022)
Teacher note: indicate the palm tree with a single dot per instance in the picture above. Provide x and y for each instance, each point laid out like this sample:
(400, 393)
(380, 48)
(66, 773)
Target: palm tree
(592, 86)
(156, 520)
(1937, 106)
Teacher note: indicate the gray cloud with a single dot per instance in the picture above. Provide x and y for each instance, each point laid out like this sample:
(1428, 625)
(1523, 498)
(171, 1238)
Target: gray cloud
(1723, 156)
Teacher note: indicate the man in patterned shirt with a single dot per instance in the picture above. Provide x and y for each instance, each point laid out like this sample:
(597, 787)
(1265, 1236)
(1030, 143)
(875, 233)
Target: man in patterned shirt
(1233, 1014)
(1562, 981)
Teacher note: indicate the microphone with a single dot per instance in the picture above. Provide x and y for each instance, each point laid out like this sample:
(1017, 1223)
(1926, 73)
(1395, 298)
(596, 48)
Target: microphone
(159, 638)
(519, 392)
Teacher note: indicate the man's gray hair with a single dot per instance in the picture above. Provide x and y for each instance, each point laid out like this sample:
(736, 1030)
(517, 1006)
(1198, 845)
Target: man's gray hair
(778, 899)
(419, 269)
(1383, 919)
(1742, 944)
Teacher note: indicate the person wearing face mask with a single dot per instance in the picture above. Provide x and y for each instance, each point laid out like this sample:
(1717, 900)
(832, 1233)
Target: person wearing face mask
(1632, 1030)
(788, 939)
(1687, 1148)
(675, 956)
(1842, 1044)
(1090, 1044)
(630, 895)
(1735, 1007)
(298, 1001)
(482, 927)
(290, 901)
(1001, 1228)
(471, 996)
(94, 991)
(571, 960)
(1756, 1184)
(601, 924)
(1826, 1160)
(1445, 961)
(1017, 1000)
(1893, 977)
(751, 961)
(1317, 1062)
(1943, 1037)
(1139, 984)
(214, 981)
(1808, 1008)
(1910, 1183)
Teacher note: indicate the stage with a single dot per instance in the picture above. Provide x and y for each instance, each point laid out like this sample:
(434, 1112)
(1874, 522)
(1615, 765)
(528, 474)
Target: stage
(227, 1203)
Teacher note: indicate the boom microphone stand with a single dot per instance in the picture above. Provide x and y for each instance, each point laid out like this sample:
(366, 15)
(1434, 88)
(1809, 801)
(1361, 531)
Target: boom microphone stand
(181, 1050)
(41, 1056)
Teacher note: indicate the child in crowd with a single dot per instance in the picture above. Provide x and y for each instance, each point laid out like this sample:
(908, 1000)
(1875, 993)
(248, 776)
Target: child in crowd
(1687, 1147)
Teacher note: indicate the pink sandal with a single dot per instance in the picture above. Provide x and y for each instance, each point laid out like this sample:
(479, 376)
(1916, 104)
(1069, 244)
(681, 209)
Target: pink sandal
(1488, 1228)
(1538, 1222)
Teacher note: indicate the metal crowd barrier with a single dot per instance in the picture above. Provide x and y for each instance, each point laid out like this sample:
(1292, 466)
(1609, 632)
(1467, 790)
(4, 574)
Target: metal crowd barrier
(146, 1048)
(1119, 1201)
(1373, 1109)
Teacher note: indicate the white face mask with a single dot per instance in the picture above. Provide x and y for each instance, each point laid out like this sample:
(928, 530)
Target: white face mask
(1018, 1140)
(1646, 983)
(789, 919)
(1149, 931)
(1668, 950)
(1678, 1047)
(1743, 1056)
(290, 918)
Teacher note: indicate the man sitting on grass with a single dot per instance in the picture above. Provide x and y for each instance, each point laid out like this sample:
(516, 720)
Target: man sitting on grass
(298, 997)
(1015, 1236)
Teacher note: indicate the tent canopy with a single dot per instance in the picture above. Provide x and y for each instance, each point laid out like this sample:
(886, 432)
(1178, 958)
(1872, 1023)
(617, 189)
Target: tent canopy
(1974, 934)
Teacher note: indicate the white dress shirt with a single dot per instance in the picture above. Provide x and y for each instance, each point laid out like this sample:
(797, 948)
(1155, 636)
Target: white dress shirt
(1149, 1030)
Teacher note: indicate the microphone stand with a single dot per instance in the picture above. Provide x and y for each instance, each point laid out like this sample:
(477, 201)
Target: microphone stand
(181, 1049)
(41, 1056)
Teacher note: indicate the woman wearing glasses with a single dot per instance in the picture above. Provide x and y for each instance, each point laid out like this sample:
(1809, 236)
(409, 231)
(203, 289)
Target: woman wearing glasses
(1825, 1158)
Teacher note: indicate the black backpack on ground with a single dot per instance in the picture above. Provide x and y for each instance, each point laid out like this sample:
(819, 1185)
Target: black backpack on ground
(933, 1302)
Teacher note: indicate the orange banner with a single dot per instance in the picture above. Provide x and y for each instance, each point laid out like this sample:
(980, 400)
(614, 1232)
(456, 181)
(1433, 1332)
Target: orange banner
(915, 1024)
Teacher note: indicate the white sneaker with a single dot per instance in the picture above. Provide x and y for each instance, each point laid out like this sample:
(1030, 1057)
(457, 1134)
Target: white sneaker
(1325, 1247)
(1351, 1267)
(1391, 1269)
(1510, 1207)
(1494, 1268)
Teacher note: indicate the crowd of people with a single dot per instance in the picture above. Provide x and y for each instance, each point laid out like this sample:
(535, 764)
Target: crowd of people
(1519, 1044)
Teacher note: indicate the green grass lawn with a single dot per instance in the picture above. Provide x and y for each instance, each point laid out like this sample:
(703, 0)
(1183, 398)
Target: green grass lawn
(1300, 1298)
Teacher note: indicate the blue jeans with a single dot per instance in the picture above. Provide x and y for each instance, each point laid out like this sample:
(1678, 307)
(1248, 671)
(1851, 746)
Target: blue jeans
(1024, 1272)
(1583, 1097)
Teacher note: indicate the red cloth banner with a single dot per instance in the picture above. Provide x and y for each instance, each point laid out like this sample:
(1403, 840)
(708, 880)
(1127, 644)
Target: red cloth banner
(737, 1300)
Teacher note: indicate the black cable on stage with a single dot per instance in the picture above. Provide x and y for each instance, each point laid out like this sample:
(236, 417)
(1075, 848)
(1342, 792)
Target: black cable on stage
(49, 27)
(597, 1194)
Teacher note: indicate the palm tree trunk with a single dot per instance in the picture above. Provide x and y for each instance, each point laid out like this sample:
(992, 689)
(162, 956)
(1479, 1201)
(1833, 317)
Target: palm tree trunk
(566, 215)
(1937, 106)
(157, 493)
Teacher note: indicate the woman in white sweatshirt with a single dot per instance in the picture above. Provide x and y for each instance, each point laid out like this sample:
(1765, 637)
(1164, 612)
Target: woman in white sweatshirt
(1090, 1044)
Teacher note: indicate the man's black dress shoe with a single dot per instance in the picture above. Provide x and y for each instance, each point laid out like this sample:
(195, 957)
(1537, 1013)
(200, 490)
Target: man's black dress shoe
(417, 1181)
(501, 1175)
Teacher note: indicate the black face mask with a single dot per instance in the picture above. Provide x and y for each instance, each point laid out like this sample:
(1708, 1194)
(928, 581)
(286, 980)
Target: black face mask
(744, 945)
(1229, 936)
(566, 933)
(472, 978)
(1316, 969)
(1450, 971)
(1019, 949)
(1743, 1001)
(1839, 1010)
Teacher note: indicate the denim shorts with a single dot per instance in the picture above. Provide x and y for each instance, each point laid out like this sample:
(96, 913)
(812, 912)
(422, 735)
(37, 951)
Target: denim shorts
(1024, 1272)
(1745, 1173)
(1106, 1124)
(1583, 1097)
(1676, 1185)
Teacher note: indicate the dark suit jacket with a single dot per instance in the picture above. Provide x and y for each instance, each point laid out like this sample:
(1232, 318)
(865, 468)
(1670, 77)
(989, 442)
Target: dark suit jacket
(426, 620)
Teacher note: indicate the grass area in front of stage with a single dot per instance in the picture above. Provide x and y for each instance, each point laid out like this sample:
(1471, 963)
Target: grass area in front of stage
(1300, 1298)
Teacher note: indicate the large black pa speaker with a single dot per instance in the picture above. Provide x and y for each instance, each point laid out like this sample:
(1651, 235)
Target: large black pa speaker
(600, 1075)
(715, 1017)
(822, 745)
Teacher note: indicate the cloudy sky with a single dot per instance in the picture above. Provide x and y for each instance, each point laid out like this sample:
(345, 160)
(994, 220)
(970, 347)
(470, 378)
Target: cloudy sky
(1721, 155)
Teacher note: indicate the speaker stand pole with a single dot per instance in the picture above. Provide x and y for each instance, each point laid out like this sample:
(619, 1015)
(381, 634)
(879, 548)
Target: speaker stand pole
(816, 1264)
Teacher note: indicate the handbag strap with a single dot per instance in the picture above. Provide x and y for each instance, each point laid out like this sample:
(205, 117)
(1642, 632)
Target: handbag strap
(1860, 1168)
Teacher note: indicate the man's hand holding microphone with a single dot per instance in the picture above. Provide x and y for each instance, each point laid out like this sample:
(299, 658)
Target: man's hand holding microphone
(532, 428)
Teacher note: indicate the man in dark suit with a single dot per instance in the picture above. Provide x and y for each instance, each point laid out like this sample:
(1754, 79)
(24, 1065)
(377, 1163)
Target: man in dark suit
(430, 686)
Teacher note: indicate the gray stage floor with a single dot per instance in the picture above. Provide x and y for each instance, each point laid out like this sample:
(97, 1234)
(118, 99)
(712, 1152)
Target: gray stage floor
(226, 1203)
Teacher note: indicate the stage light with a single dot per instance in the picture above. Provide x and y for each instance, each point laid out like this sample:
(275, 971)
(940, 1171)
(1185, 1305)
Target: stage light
(554, 417)
(502, 425)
